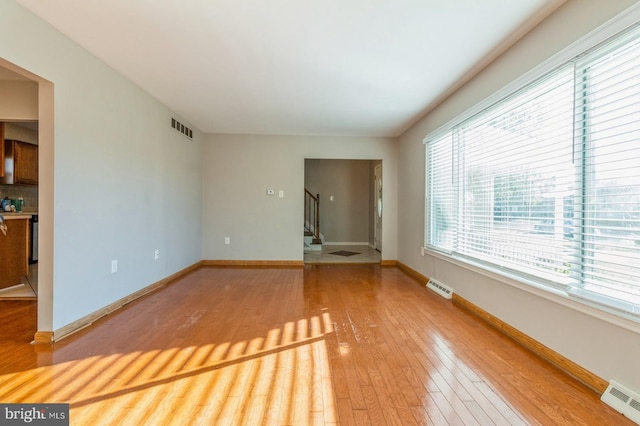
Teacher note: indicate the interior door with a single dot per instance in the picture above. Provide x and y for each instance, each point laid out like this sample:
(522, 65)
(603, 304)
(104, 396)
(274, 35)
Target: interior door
(377, 173)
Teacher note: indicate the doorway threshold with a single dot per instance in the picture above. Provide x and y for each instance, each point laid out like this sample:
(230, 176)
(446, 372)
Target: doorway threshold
(343, 254)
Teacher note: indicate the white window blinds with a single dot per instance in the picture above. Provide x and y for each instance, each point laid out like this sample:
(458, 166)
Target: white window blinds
(546, 182)
(441, 208)
(608, 138)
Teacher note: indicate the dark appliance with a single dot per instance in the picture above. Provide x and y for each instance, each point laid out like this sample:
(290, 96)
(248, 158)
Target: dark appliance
(33, 243)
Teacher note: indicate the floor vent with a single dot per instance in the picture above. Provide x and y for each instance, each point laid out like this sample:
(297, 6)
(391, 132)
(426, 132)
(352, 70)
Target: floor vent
(175, 124)
(623, 400)
(441, 289)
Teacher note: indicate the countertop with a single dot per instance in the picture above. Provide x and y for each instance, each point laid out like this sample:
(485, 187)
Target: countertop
(17, 215)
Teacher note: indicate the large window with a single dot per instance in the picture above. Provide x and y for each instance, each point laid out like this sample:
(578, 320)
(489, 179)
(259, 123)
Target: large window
(545, 183)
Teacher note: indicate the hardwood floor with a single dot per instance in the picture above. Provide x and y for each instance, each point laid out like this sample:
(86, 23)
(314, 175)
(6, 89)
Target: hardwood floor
(323, 344)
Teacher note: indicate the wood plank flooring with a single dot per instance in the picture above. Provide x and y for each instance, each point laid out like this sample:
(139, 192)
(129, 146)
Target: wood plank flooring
(319, 345)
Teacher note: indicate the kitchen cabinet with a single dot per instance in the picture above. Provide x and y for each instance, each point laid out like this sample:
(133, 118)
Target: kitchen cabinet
(20, 163)
(14, 250)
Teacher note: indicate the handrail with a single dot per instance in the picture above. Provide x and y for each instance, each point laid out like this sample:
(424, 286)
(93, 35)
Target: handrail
(312, 215)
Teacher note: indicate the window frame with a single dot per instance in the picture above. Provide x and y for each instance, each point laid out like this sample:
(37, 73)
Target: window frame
(580, 300)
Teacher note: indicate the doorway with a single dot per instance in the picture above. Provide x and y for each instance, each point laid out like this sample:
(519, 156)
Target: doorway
(41, 97)
(346, 190)
(20, 281)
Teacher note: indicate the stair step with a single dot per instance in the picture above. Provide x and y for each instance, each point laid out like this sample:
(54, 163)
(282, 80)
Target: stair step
(308, 248)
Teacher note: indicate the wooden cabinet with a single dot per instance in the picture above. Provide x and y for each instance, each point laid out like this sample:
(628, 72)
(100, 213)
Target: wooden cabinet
(20, 163)
(25, 163)
(14, 252)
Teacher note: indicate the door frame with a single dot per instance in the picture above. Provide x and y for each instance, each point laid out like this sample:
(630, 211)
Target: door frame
(377, 207)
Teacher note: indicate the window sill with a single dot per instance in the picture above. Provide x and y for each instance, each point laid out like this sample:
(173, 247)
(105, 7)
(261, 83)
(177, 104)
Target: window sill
(587, 306)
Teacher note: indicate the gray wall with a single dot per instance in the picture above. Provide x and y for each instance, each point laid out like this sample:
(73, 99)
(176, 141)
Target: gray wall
(239, 170)
(17, 131)
(346, 218)
(123, 183)
(606, 345)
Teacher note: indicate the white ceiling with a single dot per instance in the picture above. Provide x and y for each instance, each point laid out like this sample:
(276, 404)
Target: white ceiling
(330, 67)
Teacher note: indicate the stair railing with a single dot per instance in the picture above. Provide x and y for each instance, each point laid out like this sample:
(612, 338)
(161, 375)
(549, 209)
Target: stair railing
(312, 216)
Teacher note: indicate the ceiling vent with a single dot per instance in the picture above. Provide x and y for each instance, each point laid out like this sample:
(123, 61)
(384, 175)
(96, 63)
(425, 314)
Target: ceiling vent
(623, 400)
(176, 125)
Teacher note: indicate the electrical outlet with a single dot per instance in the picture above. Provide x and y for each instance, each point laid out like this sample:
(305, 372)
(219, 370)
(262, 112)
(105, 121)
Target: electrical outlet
(227, 240)
(114, 266)
(157, 254)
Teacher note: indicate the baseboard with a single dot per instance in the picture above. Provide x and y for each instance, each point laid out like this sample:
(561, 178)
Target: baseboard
(574, 370)
(255, 263)
(43, 337)
(422, 280)
(87, 320)
(388, 263)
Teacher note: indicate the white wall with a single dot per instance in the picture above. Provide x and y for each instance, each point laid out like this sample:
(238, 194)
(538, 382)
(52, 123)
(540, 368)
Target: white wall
(125, 183)
(240, 168)
(606, 349)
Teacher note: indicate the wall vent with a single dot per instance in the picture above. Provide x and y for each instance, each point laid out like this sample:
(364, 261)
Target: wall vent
(175, 124)
(441, 289)
(622, 399)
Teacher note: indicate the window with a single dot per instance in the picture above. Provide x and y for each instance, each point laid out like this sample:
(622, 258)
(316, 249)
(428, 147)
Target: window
(545, 183)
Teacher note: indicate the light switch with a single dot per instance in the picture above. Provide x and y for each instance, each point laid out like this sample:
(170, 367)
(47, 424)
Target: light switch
(281, 193)
(331, 198)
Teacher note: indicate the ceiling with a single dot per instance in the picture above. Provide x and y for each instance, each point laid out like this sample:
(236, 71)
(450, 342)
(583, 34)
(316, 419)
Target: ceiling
(306, 67)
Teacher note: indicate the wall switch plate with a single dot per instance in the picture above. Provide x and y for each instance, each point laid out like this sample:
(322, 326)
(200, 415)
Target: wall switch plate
(156, 255)
(227, 240)
(281, 193)
(271, 191)
(114, 266)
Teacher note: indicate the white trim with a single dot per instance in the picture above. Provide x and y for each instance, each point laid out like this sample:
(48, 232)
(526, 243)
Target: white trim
(618, 318)
(628, 17)
(13, 287)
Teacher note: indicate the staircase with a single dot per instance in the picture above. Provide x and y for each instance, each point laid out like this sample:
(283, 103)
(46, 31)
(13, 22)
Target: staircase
(312, 235)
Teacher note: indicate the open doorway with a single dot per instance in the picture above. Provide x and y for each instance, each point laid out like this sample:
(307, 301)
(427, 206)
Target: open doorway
(19, 194)
(345, 189)
(18, 185)
(28, 104)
